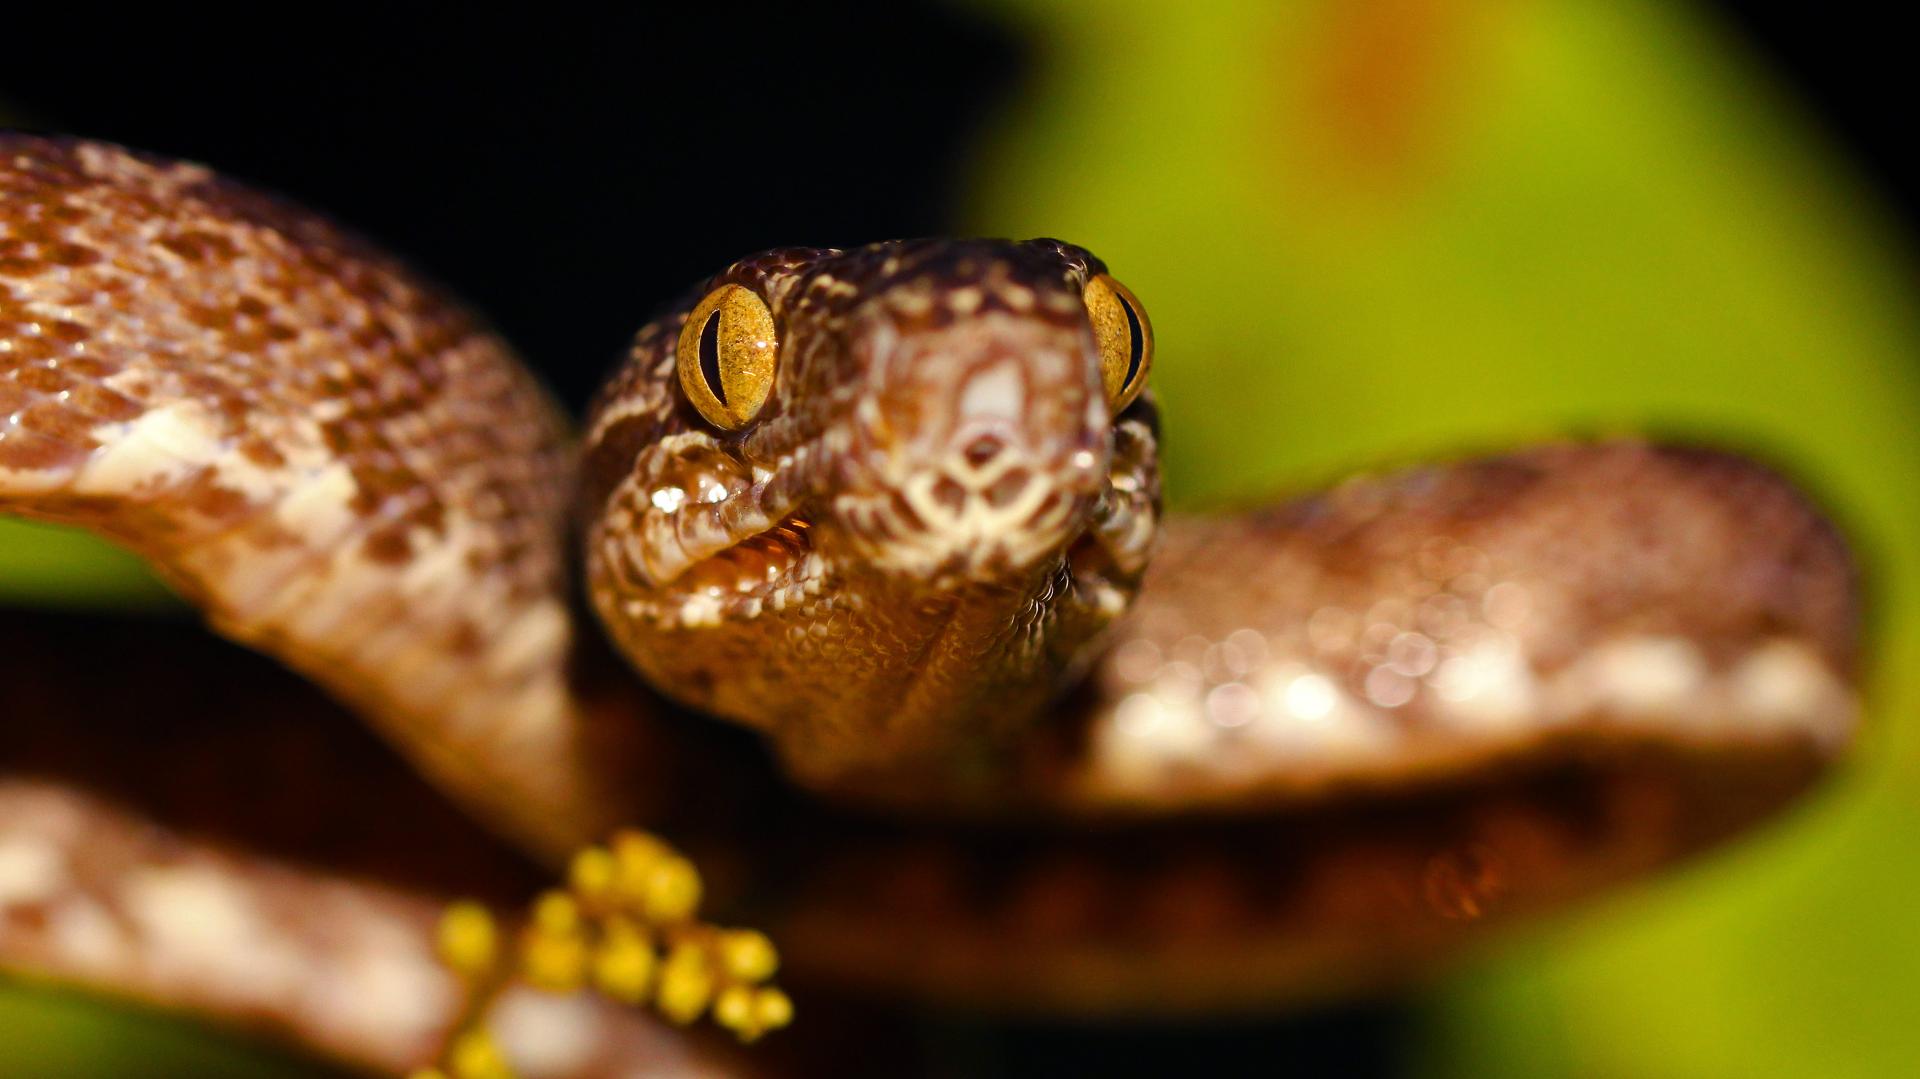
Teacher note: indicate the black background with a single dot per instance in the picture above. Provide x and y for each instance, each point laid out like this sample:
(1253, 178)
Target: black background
(567, 170)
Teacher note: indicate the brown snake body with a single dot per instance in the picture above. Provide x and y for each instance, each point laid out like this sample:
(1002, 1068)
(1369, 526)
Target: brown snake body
(888, 506)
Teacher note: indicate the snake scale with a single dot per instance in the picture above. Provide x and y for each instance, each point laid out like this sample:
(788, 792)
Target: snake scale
(1023, 739)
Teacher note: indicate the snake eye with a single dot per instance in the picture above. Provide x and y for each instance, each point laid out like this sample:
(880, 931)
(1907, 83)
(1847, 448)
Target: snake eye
(726, 356)
(1125, 338)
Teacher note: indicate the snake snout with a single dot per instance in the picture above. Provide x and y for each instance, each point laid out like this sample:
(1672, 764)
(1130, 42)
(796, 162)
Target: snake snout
(988, 447)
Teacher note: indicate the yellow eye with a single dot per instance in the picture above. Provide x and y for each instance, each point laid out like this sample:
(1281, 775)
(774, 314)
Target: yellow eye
(1125, 338)
(726, 356)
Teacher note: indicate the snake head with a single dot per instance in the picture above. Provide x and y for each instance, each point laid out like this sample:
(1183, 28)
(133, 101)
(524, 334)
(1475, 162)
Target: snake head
(941, 449)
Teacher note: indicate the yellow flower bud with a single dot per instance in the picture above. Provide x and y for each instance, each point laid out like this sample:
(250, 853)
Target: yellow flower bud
(475, 1056)
(592, 873)
(635, 854)
(747, 955)
(734, 1010)
(467, 941)
(772, 1009)
(556, 913)
(556, 962)
(685, 985)
(631, 843)
(672, 891)
(623, 967)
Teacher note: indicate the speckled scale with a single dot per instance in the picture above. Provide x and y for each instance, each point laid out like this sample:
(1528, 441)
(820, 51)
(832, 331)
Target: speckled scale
(339, 462)
(1446, 619)
(1329, 739)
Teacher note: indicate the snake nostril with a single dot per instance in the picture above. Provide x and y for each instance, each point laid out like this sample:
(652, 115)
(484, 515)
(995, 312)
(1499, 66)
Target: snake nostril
(1008, 488)
(905, 514)
(949, 495)
(983, 449)
(1044, 510)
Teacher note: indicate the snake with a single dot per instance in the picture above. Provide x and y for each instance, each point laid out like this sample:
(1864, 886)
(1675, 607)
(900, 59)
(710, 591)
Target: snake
(855, 583)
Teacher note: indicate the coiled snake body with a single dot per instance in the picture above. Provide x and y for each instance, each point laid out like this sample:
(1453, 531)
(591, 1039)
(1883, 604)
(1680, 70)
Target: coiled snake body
(887, 506)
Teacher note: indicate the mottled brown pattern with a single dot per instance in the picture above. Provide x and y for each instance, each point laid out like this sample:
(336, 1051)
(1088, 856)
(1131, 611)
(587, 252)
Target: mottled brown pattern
(342, 967)
(1676, 632)
(168, 284)
(340, 463)
(1444, 618)
(1332, 741)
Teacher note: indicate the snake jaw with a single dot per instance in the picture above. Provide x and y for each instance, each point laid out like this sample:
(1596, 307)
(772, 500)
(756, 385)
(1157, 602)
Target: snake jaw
(698, 535)
(1108, 560)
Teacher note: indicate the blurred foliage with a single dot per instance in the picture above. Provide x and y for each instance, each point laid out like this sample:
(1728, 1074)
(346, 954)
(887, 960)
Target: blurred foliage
(47, 565)
(55, 1034)
(1367, 232)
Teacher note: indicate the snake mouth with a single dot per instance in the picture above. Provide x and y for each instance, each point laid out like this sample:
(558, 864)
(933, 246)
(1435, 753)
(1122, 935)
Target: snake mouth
(765, 567)
(1090, 560)
(1107, 560)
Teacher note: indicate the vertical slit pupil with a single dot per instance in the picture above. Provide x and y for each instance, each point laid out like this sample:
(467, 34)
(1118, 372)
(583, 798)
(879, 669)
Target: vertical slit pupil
(1136, 342)
(710, 356)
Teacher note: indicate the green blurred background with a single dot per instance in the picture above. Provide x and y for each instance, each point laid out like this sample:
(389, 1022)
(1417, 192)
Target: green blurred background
(1370, 232)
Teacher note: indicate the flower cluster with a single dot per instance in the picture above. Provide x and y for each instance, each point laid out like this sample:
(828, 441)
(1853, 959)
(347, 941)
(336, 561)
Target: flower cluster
(626, 926)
